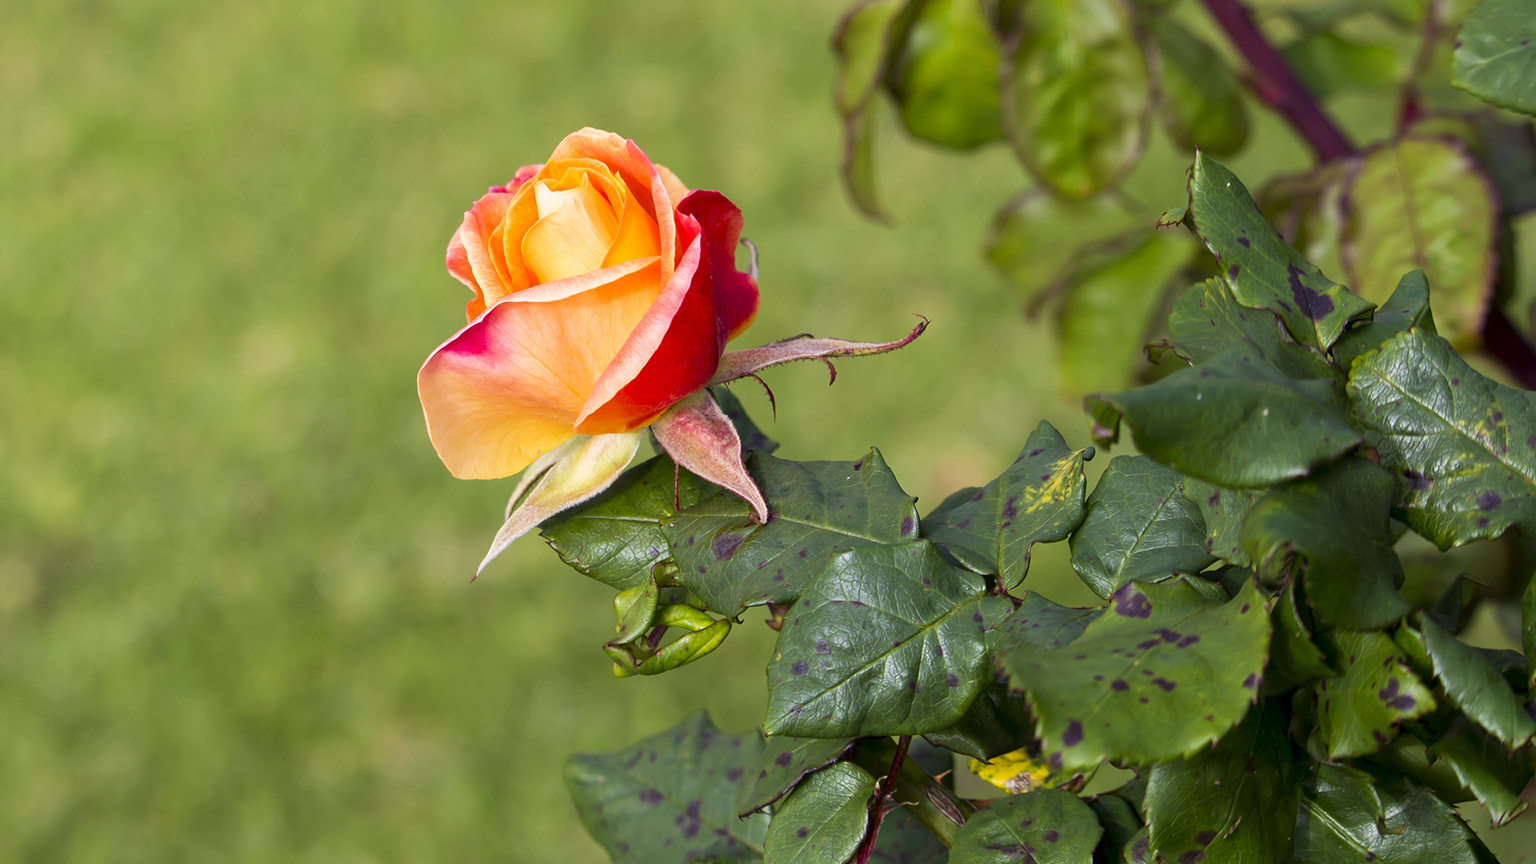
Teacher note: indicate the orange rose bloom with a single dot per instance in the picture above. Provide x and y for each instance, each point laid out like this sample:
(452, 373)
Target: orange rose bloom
(605, 292)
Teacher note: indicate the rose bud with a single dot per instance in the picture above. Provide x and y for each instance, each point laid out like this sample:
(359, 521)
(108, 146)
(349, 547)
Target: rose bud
(604, 294)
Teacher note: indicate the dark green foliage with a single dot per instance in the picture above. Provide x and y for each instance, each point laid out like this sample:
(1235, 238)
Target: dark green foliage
(1253, 659)
(671, 797)
(1139, 527)
(816, 511)
(1038, 499)
(1496, 55)
(889, 640)
(1047, 826)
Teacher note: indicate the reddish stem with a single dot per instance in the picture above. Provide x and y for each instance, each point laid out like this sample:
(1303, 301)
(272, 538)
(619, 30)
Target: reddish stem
(1277, 84)
(880, 800)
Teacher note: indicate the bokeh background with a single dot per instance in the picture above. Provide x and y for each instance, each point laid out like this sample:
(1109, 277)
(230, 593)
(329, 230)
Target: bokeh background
(236, 621)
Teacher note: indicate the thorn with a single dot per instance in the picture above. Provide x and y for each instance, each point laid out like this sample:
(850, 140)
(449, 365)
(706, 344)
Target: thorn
(772, 405)
(677, 482)
(831, 372)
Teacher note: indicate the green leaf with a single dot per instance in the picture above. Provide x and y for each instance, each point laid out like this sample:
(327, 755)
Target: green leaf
(1047, 826)
(816, 510)
(1104, 315)
(904, 840)
(1223, 510)
(1039, 625)
(861, 47)
(1408, 307)
(1139, 527)
(1121, 824)
(1207, 321)
(1202, 103)
(1139, 851)
(1293, 658)
(1462, 446)
(888, 640)
(1263, 272)
(1076, 94)
(824, 819)
(1038, 499)
(752, 437)
(1348, 815)
(1475, 686)
(1333, 530)
(670, 798)
(1235, 803)
(1495, 57)
(616, 538)
(1426, 204)
(1327, 64)
(786, 761)
(995, 724)
(1374, 693)
(1042, 243)
(1164, 671)
(1234, 421)
(945, 77)
(1485, 768)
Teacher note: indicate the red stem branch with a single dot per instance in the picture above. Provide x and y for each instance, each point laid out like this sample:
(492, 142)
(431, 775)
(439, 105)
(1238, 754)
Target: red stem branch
(880, 803)
(1277, 84)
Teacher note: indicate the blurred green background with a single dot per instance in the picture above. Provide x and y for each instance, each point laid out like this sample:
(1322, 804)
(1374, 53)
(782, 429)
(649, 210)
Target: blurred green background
(236, 622)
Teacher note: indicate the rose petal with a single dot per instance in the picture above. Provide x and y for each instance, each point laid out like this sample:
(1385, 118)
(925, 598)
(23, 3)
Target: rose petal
(635, 168)
(509, 386)
(677, 341)
(469, 256)
(576, 227)
(735, 292)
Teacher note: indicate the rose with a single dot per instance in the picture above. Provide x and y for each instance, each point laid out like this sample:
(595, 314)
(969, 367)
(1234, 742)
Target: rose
(605, 292)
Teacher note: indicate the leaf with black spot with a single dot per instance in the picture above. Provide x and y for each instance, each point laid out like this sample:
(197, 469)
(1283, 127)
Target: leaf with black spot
(1374, 693)
(1474, 685)
(816, 511)
(1333, 530)
(671, 797)
(1234, 804)
(823, 820)
(997, 723)
(1462, 446)
(1484, 766)
(904, 840)
(1262, 270)
(1039, 624)
(888, 640)
(1039, 499)
(1223, 510)
(1234, 421)
(786, 761)
(1139, 527)
(1207, 320)
(1349, 815)
(1047, 826)
(1167, 669)
(616, 538)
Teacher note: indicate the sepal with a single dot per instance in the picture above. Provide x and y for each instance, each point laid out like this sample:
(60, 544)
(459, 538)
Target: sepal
(740, 364)
(568, 475)
(698, 436)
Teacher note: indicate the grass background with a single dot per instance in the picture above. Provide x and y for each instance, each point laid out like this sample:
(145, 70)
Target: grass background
(235, 616)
